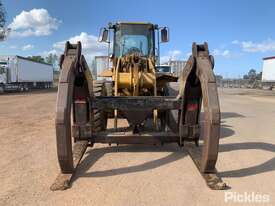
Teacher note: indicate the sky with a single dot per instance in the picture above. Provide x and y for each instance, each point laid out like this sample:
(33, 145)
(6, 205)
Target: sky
(239, 32)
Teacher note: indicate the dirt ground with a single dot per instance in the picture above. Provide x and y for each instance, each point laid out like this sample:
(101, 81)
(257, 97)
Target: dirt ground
(135, 175)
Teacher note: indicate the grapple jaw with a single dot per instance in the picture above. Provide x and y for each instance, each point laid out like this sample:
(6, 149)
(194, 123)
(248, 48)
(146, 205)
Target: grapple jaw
(74, 84)
(197, 88)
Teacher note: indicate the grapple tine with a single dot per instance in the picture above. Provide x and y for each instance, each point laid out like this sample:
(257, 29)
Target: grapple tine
(198, 87)
(68, 157)
(63, 116)
(212, 179)
(63, 180)
(211, 108)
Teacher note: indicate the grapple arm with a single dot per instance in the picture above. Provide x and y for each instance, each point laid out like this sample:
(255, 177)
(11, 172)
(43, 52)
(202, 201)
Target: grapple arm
(198, 86)
(74, 70)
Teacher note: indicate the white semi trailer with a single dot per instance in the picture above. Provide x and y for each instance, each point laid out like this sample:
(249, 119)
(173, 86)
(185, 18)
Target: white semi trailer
(268, 75)
(22, 74)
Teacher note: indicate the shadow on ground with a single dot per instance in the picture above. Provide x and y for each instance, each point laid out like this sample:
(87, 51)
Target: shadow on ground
(226, 130)
(95, 154)
(257, 169)
(227, 115)
(177, 153)
(32, 92)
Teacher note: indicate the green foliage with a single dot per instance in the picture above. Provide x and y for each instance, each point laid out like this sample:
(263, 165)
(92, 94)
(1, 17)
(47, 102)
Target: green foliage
(37, 59)
(245, 76)
(259, 76)
(252, 76)
(2, 15)
(219, 77)
(2, 22)
(52, 59)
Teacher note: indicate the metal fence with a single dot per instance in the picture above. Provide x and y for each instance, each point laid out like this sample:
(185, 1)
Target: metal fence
(239, 83)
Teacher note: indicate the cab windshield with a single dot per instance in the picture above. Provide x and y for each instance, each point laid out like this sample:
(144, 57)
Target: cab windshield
(163, 68)
(2, 70)
(2, 67)
(131, 39)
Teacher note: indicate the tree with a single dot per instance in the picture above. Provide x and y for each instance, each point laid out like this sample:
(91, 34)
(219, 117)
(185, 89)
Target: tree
(2, 21)
(259, 76)
(252, 74)
(219, 77)
(2, 15)
(37, 59)
(53, 60)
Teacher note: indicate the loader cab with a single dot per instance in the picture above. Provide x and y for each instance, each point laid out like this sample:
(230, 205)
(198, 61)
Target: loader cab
(3, 64)
(133, 37)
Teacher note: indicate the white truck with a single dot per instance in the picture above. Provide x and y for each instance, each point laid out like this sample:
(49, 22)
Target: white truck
(22, 74)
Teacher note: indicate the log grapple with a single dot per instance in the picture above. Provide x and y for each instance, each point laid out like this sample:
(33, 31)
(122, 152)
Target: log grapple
(159, 108)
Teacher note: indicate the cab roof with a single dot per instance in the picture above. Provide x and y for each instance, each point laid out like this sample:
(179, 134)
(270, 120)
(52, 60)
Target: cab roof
(147, 23)
(132, 23)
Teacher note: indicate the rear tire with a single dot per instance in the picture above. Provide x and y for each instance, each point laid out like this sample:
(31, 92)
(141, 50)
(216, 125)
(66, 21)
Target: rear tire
(108, 86)
(100, 116)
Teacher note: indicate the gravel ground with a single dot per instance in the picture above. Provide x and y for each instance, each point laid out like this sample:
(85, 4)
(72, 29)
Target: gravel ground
(136, 175)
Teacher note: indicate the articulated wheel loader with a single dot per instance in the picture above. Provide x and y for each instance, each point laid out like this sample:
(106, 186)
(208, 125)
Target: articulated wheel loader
(159, 107)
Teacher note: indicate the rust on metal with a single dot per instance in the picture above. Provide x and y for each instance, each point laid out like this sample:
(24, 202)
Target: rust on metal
(63, 180)
(212, 179)
(198, 87)
(137, 103)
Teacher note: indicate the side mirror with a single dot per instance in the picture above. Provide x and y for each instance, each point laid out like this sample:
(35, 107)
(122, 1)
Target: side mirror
(103, 36)
(111, 56)
(164, 34)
